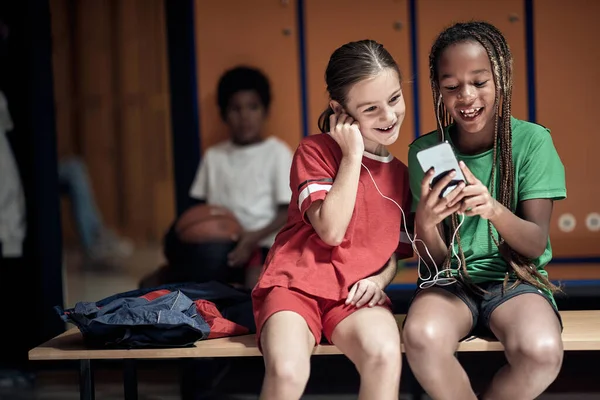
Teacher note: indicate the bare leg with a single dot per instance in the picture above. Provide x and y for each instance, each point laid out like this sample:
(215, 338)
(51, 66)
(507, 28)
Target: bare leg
(530, 332)
(370, 339)
(287, 344)
(436, 321)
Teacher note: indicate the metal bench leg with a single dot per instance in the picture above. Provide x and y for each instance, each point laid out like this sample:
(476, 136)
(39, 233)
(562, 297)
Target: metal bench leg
(86, 380)
(130, 379)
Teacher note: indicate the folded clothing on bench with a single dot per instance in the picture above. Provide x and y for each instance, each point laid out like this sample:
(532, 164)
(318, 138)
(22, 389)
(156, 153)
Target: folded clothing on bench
(174, 315)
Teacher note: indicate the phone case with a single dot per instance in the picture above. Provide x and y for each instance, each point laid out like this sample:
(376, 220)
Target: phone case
(443, 160)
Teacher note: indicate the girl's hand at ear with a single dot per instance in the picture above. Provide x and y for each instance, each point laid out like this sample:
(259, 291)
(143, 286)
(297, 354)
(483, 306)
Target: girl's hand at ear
(432, 209)
(346, 132)
(475, 199)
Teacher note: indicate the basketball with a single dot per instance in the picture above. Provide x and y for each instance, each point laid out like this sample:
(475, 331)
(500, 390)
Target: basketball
(208, 223)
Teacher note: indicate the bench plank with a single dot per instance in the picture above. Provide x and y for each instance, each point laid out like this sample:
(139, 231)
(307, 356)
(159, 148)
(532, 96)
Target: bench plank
(581, 333)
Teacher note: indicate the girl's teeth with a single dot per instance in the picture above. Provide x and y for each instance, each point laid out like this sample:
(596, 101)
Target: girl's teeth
(470, 113)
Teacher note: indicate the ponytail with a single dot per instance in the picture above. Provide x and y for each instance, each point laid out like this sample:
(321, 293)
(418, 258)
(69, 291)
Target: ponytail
(324, 120)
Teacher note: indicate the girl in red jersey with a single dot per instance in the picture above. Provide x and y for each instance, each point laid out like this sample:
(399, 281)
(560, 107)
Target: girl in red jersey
(329, 265)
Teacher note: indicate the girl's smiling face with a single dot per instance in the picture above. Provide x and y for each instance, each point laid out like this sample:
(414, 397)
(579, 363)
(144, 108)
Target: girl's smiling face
(467, 87)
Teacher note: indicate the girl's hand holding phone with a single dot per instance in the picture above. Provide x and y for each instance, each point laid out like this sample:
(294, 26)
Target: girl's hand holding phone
(433, 208)
(475, 199)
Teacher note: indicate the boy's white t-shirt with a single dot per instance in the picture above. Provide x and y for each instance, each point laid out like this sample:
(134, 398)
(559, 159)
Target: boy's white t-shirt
(251, 181)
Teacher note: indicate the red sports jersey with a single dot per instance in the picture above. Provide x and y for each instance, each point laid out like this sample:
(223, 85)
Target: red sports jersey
(299, 259)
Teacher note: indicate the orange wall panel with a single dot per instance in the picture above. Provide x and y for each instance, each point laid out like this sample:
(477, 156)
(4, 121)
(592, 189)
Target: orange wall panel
(567, 55)
(112, 110)
(260, 33)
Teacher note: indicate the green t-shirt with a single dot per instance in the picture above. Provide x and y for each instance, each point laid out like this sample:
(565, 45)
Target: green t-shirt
(539, 174)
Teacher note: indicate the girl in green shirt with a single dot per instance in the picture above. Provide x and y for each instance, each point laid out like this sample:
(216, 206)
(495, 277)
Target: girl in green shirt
(501, 217)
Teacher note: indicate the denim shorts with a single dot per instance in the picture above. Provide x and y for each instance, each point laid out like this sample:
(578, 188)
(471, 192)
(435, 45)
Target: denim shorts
(483, 304)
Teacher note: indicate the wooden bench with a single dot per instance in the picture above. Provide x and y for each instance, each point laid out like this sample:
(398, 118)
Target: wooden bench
(581, 333)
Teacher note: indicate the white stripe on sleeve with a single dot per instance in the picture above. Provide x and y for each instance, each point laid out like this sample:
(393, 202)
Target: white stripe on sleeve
(307, 191)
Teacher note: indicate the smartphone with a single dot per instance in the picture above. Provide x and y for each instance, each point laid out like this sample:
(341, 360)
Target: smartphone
(442, 159)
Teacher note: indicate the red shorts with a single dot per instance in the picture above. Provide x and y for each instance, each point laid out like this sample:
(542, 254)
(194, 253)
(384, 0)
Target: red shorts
(321, 315)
